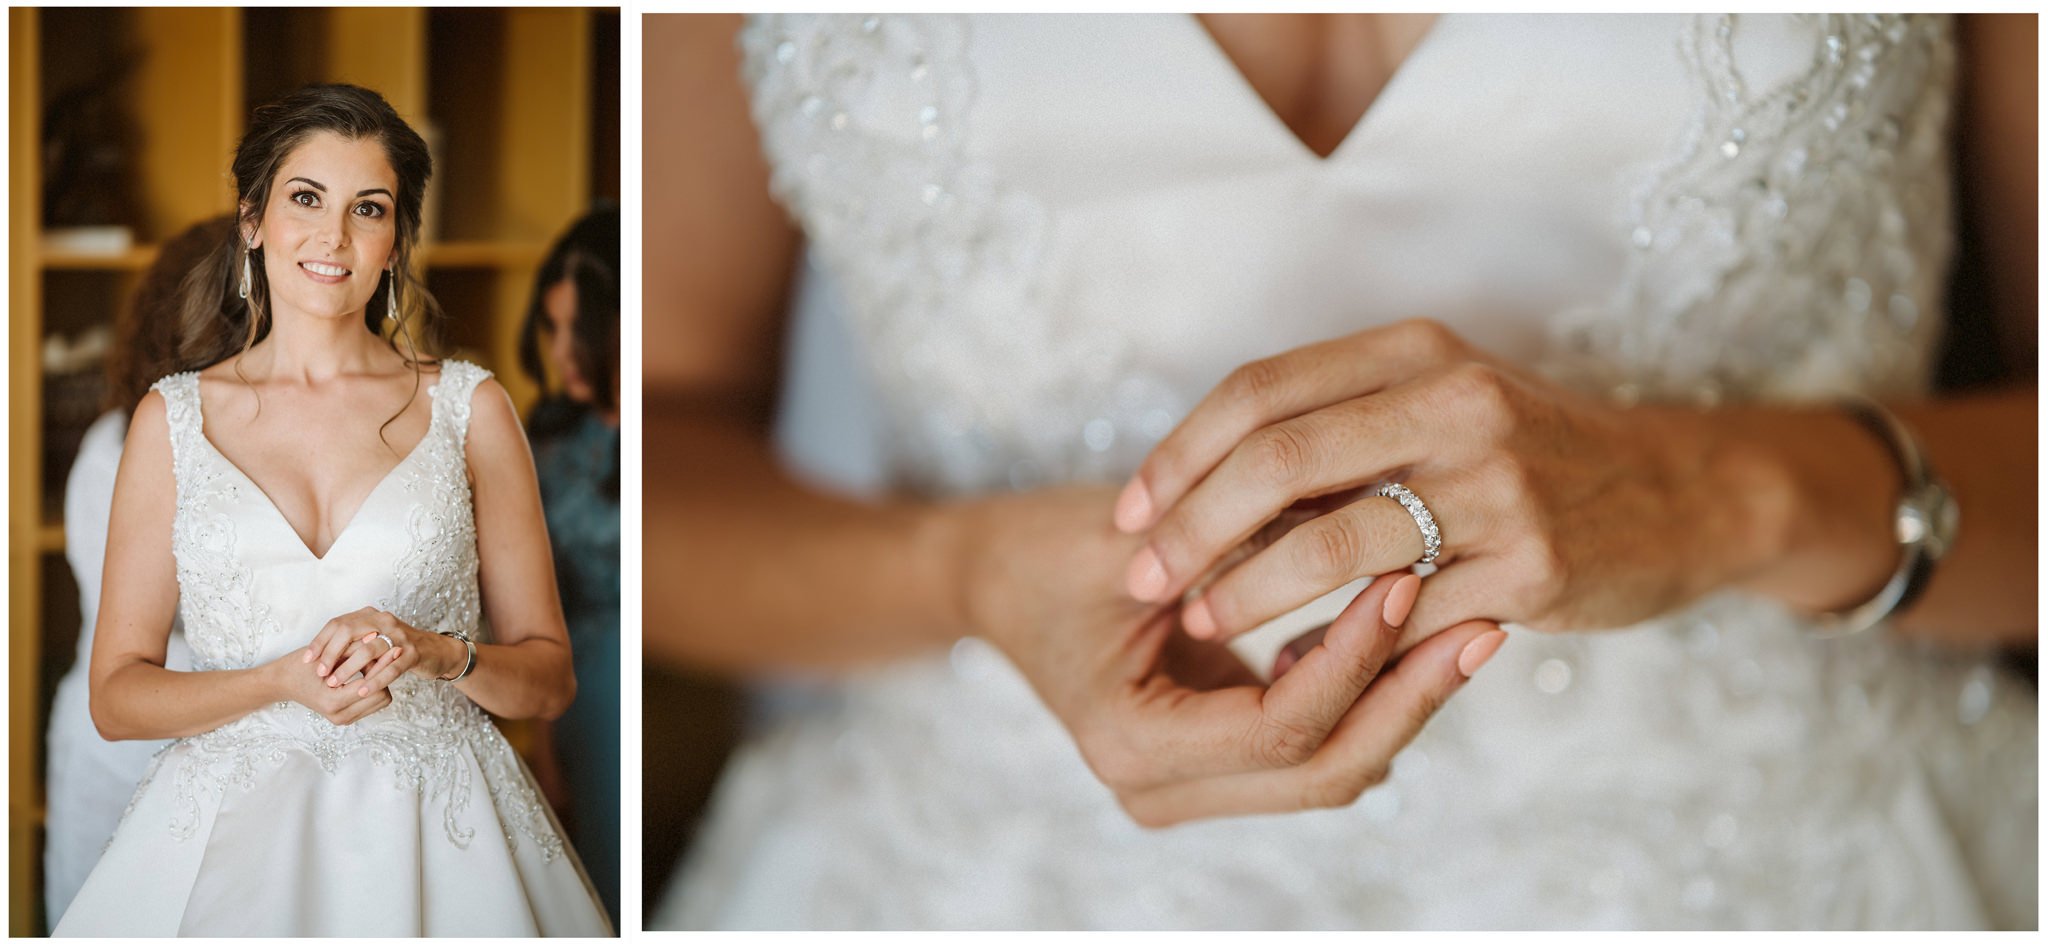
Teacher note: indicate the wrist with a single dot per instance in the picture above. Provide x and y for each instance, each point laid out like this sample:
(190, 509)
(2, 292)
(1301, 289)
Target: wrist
(1818, 492)
(272, 684)
(946, 546)
(447, 659)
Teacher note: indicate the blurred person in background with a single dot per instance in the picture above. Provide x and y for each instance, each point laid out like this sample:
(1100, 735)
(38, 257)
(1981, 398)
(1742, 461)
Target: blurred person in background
(1151, 313)
(91, 779)
(572, 335)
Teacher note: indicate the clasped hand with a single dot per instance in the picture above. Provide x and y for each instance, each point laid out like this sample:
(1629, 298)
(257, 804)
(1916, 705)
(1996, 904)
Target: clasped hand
(346, 671)
(1555, 511)
(1179, 727)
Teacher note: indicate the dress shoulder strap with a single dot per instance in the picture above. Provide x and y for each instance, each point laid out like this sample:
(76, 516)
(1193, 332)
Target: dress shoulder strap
(183, 416)
(452, 394)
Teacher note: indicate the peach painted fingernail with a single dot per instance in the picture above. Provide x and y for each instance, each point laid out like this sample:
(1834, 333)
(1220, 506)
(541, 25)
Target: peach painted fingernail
(1199, 622)
(1133, 507)
(1401, 600)
(1146, 578)
(1478, 651)
(365, 690)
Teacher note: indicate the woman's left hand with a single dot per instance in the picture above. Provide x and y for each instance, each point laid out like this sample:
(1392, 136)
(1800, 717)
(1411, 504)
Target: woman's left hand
(1557, 511)
(356, 642)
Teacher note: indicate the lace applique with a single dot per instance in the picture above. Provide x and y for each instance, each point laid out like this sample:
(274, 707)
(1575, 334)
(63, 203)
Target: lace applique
(1795, 247)
(436, 577)
(224, 622)
(430, 736)
(866, 121)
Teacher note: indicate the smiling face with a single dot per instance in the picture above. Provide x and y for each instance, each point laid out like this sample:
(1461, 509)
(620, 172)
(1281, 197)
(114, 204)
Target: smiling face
(329, 230)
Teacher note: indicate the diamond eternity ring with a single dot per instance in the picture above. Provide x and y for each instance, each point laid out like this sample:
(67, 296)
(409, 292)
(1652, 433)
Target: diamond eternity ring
(1432, 541)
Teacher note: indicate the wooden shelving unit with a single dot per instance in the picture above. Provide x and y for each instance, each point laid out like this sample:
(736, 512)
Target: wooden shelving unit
(518, 104)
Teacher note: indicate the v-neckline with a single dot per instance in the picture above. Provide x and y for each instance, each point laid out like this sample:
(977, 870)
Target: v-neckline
(1394, 82)
(199, 407)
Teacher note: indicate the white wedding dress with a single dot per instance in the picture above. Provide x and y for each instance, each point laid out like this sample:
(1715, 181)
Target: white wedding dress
(1049, 236)
(418, 820)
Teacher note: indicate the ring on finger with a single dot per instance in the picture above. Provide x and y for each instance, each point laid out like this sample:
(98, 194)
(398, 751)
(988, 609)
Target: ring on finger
(1432, 539)
(388, 644)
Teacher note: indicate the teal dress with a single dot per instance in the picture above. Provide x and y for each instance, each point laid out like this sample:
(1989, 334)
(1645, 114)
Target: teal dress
(577, 460)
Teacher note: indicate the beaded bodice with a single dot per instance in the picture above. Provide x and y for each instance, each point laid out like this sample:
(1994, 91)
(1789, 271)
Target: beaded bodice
(250, 592)
(1723, 208)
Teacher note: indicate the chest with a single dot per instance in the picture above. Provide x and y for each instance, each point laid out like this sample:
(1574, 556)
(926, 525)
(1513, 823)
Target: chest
(1319, 73)
(315, 457)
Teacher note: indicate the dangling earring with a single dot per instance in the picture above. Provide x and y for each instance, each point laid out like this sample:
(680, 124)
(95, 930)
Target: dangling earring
(392, 296)
(244, 292)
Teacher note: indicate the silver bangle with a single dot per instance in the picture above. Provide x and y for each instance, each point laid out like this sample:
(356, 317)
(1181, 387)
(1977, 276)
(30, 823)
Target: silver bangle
(1924, 523)
(467, 665)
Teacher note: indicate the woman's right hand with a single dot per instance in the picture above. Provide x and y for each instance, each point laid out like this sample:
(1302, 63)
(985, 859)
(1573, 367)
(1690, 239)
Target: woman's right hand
(1180, 728)
(296, 679)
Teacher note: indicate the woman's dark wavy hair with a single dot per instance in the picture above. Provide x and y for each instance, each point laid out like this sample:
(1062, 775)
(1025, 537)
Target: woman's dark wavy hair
(216, 323)
(586, 256)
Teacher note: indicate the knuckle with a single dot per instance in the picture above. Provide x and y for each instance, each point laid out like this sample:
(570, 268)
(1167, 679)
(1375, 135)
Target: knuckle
(1335, 546)
(1284, 741)
(1430, 340)
(1258, 382)
(1281, 455)
(1481, 386)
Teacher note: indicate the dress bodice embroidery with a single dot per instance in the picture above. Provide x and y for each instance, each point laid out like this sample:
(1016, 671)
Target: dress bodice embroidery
(250, 592)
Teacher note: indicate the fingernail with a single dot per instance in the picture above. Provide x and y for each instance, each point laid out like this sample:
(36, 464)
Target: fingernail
(365, 690)
(1478, 651)
(308, 657)
(1146, 578)
(1401, 599)
(1197, 619)
(323, 669)
(1133, 507)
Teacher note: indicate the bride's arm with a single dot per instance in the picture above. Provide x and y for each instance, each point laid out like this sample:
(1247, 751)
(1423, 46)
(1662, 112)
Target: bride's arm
(745, 566)
(132, 695)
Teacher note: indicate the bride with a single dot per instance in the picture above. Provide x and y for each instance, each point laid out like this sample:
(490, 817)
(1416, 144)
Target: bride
(1642, 310)
(322, 508)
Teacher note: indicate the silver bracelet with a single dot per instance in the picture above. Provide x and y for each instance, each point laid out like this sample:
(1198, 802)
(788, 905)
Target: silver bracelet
(1924, 523)
(466, 666)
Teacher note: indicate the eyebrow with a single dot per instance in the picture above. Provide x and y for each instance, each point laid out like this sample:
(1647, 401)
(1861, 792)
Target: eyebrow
(360, 193)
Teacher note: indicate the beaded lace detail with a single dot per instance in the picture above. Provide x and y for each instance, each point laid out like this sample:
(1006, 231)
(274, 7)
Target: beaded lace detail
(433, 737)
(225, 624)
(1795, 246)
(867, 119)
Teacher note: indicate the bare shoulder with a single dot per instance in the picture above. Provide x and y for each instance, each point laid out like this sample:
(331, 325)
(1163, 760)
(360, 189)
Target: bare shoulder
(494, 428)
(146, 451)
(150, 423)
